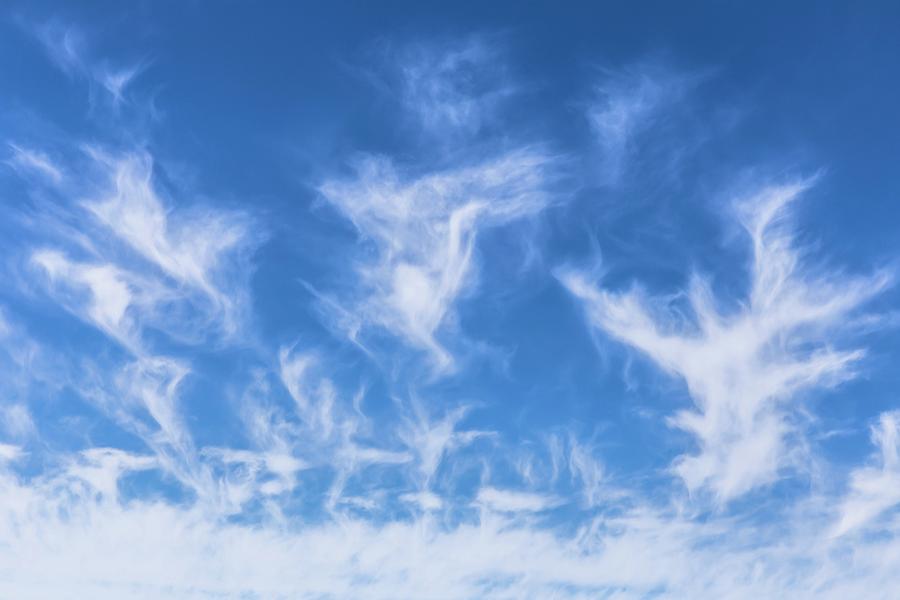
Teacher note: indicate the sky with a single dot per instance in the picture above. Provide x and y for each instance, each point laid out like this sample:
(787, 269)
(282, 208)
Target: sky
(449, 300)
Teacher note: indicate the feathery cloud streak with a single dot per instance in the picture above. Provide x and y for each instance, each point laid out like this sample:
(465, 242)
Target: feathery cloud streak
(742, 369)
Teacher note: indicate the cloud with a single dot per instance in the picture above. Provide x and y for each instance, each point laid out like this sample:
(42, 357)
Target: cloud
(293, 368)
(116, 81)
(425, 500)
(323, 430)
(9, 452)
(453, 89)
(109, 293)
(432, 440)
(627, 108)
(101, 468)
(190, 248)
(424, 229)
(742, 368)
(153, 383)
(585, 467)
(510, 501)
(27, 160)
(69, 49)
(84, 513)
(874, 489)
(142, 398)
(249, 475)
(17, 421)
(65, 46)
(181, 270)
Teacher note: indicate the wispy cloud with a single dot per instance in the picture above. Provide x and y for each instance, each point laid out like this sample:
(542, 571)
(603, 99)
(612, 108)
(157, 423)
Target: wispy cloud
(27, 160)
(626, 113)
(180, 270)
(65, 46)
(190, 246)
(17, 421)
(742, 368)
(876, 488)
(424, 229)
(453, 89)
(109, 293)
(432, 440)
(69, 49)
(509, 501)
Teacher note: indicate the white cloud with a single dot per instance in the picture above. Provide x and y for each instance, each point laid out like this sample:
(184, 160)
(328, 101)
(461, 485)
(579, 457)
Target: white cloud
(17, 420)
(102, 545)
(512, 501)
(874, 489)
(116, 81)
(424, 230)
(65, 46)
(453, 89)
(424, 500)
(110, 293)
(293, 369)
(260, 473)
(584, 466)
(193, 248)
(153, 382)
(431, 441)
(330, 434)
(741, 368)
(26, 159)
(9, 452)
(625, 107)
(101, 469)
(422, 219)
(68, 48)
(181, 271)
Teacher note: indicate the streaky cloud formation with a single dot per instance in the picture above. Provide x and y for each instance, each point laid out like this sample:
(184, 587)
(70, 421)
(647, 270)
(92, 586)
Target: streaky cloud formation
(628, 111)
(454, 89)
(424, 231)
(110, 295)
(197, 257)
(67, 47)
(190, 251)
(743, 368)
(24, 159)
(874, 489)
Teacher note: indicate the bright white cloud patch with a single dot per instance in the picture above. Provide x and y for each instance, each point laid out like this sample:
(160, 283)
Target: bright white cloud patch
(190, 249)
(108, 293)
(507, 501)
(72, 525)
(743, 368)
(424, 231)
(874, 489)
(195, 283)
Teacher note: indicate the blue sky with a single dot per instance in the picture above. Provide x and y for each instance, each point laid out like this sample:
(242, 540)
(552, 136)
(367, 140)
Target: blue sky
(421, 300)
